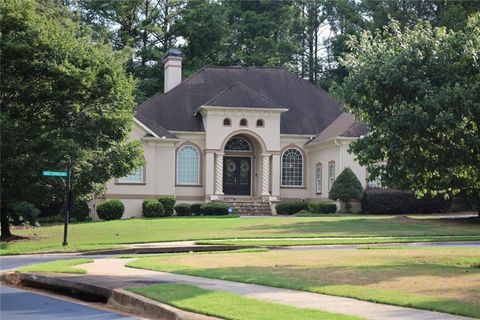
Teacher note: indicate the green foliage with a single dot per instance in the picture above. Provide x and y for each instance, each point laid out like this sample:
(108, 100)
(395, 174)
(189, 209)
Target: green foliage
(214, 209)
(110, 210)
(62, 95)
(346, 187)
(152, 208)
(168, 203)
(183, 209)
(322, 207)
(389, 201)
(80, 211)
(418, 89)
(196, 208)
(291, 207)
(24, 212)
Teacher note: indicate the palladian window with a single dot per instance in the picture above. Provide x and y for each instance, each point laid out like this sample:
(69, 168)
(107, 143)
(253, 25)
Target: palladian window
(188, 166)
(292, 168)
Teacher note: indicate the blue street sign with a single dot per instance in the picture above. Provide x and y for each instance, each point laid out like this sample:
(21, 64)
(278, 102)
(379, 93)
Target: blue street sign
(54, 174)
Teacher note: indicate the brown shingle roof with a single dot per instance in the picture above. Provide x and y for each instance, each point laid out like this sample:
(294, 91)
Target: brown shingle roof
(344, 126)
(311, 109)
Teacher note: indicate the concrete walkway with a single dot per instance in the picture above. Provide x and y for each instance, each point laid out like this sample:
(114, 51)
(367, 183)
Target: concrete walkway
(112, 273)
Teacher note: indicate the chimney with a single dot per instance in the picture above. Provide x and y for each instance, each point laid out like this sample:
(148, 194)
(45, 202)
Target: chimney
(173, 69)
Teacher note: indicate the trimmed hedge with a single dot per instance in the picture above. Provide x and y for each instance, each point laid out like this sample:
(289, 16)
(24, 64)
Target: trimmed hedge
(322, 207)
(24, 212)
(292, 207)
(183, 209)
(196, 208)
(389, 201)
(80, 211)
(168, 203)
(110, 210)
(152, 208)
(214, 209)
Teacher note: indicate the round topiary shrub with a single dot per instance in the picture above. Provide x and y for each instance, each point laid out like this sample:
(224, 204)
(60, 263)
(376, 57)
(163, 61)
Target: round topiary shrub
(291, 207)
(322, 207)
(346, 187)
(168, 203)
(80, 211)
(183, 209)
(110, 210)
(196, 208)
(152, 208)
(214, 209)
(24, 212)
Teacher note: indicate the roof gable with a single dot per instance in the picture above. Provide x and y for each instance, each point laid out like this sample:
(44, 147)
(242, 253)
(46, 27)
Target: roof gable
(344, 126)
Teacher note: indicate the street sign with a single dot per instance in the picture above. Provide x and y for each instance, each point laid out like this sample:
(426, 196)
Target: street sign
(54, 174)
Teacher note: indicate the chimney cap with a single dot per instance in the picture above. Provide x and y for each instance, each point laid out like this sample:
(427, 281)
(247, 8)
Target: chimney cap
(172, 52)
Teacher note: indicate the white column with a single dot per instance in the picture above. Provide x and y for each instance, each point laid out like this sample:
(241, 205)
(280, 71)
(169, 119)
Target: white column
(219, 173)
(265, 174)
(276, 175)
(209, 173)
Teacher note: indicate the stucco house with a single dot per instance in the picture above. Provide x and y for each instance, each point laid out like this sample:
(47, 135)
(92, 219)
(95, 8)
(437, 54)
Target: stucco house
(251, 135)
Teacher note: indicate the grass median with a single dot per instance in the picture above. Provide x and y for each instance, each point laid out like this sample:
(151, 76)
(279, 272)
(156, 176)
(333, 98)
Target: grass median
(439, 279)
(229, 306)
(60, 266)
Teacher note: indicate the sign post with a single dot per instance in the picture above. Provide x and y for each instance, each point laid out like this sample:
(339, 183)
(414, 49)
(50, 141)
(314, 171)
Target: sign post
(68, 184)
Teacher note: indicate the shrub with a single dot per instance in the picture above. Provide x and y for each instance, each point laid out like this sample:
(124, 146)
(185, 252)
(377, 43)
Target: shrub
(183, 209)
(58, 218)
(291, 207)
(196, 208)
(168, 203)
(152, 208)
(346, 187)
(322, 207)
(214, 208)
(110, 210)
(24, 212)
(80, 211)
(389, 201)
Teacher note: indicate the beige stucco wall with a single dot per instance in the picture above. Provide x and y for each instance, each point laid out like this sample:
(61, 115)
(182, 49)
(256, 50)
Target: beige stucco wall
(160, 158)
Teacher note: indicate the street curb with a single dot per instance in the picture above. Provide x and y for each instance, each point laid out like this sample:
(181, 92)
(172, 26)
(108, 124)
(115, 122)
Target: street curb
(178, 249)
(120, 299)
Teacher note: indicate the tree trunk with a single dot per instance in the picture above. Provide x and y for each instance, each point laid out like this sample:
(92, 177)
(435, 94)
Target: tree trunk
(5, 225)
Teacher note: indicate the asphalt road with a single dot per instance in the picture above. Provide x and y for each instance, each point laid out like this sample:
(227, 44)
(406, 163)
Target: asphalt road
(24, 305)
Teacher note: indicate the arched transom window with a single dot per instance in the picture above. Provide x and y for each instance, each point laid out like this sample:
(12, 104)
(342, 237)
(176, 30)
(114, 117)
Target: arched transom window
(188, 165)
(237, 144)
(292, 168)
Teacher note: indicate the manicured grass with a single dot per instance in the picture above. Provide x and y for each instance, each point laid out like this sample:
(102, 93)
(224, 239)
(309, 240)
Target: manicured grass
(103, 235)
(440, 279)
(322, 241)
(61, 266)
(227, 305)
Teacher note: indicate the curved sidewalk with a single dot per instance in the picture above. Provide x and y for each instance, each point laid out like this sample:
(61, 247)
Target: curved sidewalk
(112, 273)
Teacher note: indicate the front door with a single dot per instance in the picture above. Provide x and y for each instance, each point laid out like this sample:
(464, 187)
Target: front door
(236, 175)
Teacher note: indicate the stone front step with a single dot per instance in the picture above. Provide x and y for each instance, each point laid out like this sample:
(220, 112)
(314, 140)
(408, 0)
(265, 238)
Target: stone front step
(249, 206)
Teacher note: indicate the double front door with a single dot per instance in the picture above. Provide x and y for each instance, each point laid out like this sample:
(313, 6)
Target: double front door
(236, 175)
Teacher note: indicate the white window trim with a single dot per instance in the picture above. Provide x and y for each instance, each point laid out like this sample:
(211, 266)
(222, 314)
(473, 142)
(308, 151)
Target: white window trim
(317, 179)
(177, 167)
(303, 169)
(331, 179)
(142, 176)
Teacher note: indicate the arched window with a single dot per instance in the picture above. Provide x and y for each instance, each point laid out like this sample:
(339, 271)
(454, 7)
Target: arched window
(260, 123)
(292, 168)
(243, 122)
(227, 122)
(237, 144)
(188, 165)
(137, 176)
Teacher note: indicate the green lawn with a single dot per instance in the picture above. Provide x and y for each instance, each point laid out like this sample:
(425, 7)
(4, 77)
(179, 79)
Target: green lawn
(227, 305)
(102, 235)
(440, 279)
(336, 240)
(61, 266)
